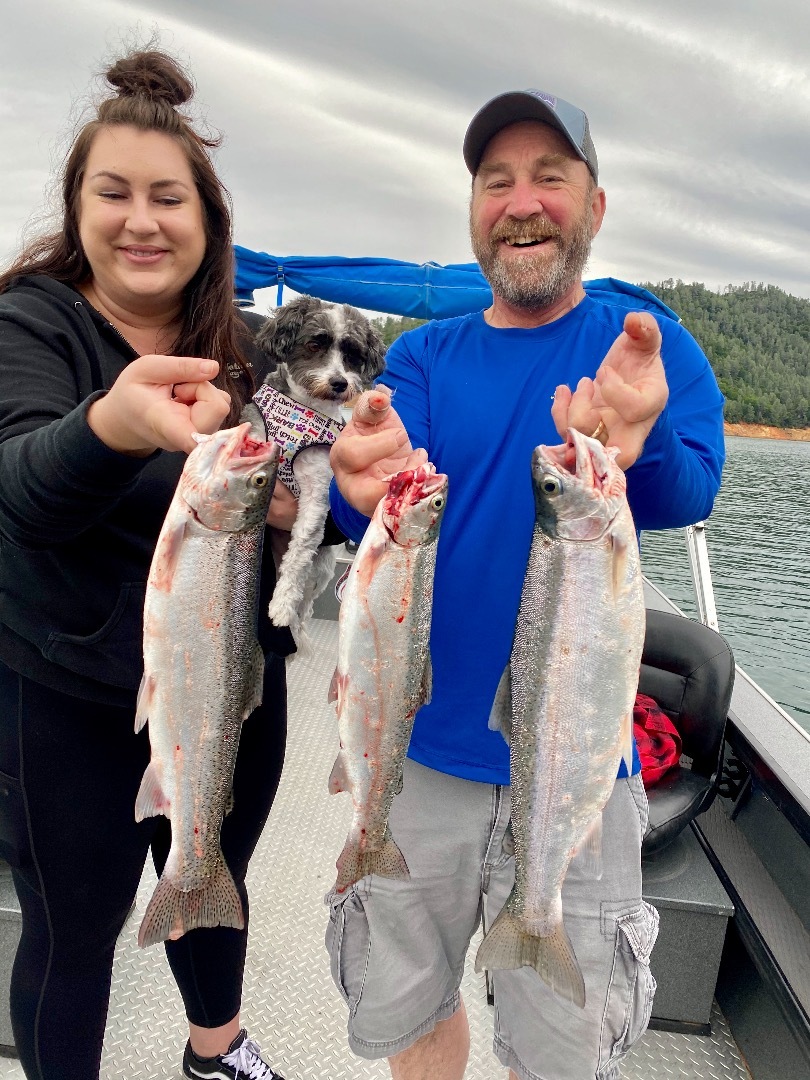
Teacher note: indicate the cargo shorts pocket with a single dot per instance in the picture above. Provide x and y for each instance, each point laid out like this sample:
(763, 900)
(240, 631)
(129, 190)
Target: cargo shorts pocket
(348, 943)
(632, 986)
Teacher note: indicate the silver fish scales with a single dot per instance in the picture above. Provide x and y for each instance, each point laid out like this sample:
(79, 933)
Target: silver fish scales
(566, 699)
(383, 673)
(203, 671)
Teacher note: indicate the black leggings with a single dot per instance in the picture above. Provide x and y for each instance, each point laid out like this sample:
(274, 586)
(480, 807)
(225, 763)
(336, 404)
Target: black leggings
(70, 772)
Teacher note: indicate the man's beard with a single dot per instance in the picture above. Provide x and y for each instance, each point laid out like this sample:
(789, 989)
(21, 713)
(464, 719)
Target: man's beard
(534, 281)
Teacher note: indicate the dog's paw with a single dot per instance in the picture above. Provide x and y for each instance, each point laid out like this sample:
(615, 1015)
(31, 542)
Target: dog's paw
(281, 612)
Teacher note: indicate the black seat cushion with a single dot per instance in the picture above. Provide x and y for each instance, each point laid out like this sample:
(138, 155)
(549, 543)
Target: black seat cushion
(688, 669)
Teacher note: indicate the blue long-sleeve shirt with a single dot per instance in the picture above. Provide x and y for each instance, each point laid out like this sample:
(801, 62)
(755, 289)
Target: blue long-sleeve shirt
(478, 399)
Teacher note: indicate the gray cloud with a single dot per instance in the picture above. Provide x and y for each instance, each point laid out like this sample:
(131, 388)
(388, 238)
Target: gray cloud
(343, 123)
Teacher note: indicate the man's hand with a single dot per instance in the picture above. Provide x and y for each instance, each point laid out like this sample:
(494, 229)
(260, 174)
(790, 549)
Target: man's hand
(159, 402)
(627, 395)
(373, 446)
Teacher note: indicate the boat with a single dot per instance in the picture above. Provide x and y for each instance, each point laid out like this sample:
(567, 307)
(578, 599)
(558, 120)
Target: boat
(732, 960)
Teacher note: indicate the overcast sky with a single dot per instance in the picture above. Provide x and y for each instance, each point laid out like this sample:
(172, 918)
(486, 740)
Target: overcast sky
(343, 121)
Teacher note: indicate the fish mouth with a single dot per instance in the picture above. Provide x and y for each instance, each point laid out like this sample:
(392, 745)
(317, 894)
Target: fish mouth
(580, 456)
(413, 489)
(241, 450)
(411, 485)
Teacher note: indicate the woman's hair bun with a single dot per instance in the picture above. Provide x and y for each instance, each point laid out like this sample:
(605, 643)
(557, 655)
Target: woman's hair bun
(152, 75)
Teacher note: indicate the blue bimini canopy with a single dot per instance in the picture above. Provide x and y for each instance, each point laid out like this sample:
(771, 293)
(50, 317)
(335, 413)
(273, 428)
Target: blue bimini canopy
(418, 290)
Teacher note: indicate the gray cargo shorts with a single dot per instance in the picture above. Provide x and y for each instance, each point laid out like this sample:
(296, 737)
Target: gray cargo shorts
(398, 948)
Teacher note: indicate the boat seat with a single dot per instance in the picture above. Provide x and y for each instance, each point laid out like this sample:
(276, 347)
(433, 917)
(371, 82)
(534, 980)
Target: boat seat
(688, 669)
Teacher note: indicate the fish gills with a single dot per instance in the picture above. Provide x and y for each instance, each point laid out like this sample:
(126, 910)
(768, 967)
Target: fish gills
(566, 700)
(203, 672)
(383, 673)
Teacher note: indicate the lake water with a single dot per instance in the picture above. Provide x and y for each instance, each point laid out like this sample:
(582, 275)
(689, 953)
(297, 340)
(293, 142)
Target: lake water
(758, 538)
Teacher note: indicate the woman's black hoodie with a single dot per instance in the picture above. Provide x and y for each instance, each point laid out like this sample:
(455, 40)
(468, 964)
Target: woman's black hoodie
(78, 521)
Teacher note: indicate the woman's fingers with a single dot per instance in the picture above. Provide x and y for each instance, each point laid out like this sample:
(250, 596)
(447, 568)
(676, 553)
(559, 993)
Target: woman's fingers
(209, 409)
(159, 402)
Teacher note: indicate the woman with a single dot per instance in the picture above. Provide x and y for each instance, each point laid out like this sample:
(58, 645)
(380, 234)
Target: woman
(118, 341)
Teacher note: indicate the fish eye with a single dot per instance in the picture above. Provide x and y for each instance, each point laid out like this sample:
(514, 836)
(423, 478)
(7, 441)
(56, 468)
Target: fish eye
(437, 502)
(259, 480)
(551, 485)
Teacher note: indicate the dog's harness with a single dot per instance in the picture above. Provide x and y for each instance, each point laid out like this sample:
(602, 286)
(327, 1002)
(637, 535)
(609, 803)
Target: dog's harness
(293, 426)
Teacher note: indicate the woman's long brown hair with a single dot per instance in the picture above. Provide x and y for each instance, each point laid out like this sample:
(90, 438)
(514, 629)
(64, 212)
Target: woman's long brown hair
(150, 86)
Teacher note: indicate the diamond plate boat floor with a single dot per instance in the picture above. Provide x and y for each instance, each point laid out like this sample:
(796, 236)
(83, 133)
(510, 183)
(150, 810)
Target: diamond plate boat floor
(291, 1006)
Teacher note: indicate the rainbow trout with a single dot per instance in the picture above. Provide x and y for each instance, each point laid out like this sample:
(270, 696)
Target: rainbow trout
(383, 671)
(203, 671)
(565, 702)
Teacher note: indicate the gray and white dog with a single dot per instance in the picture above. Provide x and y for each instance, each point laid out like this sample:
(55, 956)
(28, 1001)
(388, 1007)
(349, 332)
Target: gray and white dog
(323, 355)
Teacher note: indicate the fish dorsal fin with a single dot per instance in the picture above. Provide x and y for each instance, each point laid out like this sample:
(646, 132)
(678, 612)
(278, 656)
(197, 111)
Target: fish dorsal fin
(500, 716)
(151, 799)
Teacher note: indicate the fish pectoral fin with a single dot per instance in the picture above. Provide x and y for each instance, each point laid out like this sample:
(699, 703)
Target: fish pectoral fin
(146, 695)
(589, 851)
(338, 779)
(426, 690)
(507, 945)
(255, 682)
(334, 686)
(500, 716)
(170, 543)
(151, 800)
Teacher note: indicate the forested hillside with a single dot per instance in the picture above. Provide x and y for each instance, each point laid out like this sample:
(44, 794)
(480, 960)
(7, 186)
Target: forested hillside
(757, 339)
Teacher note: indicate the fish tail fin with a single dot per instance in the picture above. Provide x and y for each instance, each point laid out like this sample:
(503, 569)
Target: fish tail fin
(507, 945)
(354, 864)
(172, 912)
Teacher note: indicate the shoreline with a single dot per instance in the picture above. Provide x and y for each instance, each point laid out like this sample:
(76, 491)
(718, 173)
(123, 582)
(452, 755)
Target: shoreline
(764, 431)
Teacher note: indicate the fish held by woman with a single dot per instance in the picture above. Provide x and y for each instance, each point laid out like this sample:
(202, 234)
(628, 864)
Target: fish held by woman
(565, 702)
(203, 671)
(383, 672)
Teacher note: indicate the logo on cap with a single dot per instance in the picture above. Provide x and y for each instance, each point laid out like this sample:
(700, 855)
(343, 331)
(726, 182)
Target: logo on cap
(548, 98)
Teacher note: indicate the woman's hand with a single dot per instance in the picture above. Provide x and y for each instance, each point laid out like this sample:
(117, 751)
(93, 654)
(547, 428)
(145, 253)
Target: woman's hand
(627, 395)
(159, 402)
(283, 508)
(373, 446)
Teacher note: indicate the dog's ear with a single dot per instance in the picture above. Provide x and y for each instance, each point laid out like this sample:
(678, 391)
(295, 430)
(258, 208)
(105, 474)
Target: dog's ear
(279, 334)
(373, 354)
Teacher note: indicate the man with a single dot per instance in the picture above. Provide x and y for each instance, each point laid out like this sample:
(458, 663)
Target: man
(474, 395)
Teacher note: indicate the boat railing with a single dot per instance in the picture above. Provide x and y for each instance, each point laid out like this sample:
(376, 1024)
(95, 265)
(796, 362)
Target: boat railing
(701, 573)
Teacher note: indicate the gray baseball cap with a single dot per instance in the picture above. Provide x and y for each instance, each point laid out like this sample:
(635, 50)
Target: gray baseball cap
(517, 105)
